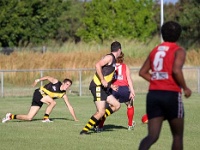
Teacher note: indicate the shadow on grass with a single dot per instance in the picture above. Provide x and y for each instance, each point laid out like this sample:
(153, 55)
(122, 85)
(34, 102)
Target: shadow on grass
(52, 119)
(109, 128)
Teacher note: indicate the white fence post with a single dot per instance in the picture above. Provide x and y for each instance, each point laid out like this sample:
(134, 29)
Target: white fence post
(80, 82)
(41, 75)
(198, 86)
(2, 80)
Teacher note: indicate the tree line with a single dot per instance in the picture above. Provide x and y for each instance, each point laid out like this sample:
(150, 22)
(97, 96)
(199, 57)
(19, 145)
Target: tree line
(23, 21)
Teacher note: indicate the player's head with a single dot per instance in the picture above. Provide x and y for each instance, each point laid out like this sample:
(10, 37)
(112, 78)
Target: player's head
(120, 59)
(67, 80)
(115, 46)
(171, 31)
(66, 83)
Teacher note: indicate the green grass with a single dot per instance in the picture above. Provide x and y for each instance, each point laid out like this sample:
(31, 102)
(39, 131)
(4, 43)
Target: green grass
(63, 133)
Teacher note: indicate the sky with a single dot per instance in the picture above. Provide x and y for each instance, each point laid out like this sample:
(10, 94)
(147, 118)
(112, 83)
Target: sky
(170, 1)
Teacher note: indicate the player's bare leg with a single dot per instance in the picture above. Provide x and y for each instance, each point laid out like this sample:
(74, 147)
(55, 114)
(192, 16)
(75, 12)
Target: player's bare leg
(113, 103)
(177, 126)
(154, 127)
(51, 104)
(32, 112)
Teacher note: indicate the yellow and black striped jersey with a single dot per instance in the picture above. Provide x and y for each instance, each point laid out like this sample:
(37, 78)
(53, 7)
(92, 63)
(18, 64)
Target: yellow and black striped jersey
(52, 90)
(107, 71)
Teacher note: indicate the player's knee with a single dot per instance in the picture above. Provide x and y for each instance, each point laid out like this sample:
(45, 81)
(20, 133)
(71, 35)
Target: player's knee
(53, 103)
(101, 112)
(29, 118)
(178, 137)
(117, 106)
(154, 138)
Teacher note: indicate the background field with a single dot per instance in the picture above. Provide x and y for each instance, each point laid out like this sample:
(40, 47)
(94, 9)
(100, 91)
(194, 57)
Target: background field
(63, 133)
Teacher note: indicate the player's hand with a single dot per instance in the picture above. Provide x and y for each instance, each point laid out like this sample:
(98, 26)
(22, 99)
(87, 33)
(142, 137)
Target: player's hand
(114, 87)
(132, 96)
(104, 83)
(187, 92)
(34, 84)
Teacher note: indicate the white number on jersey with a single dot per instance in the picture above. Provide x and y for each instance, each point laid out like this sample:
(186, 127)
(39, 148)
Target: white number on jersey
(158, 60)
(119, 75)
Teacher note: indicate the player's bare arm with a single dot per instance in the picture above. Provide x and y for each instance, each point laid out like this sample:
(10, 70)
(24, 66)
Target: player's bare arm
(50, 79)
(130, 83)
(144, 71)
(177, 71)
(105, 60)
(69, 106)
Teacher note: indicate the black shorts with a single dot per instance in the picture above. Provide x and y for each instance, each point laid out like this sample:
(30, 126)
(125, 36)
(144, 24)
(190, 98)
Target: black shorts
(100, 93)
(122, 94)
(36, 98)
(167, 104)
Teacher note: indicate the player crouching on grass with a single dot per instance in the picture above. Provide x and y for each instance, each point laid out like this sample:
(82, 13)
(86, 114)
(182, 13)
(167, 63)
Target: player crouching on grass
(46, 94)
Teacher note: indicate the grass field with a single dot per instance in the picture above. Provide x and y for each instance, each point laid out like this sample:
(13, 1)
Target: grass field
(63, 133)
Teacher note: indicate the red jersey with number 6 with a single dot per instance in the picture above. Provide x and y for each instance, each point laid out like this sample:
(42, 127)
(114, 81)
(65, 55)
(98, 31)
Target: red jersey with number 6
(120, 77)
(162, 60)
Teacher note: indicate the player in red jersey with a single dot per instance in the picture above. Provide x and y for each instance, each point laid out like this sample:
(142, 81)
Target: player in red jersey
(163, 70)
(122, 89)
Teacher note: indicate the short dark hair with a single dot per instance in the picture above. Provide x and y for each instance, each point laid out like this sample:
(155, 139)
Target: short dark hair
(115, 46)
(171, 31)
(67, 80)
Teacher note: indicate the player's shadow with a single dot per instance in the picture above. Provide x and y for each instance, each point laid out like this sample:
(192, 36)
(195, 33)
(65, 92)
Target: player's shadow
(52, 119)
(112, 127)
(109, 128)
(61, 119)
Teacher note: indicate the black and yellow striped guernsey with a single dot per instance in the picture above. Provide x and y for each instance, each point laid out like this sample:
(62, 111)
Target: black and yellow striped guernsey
(52, 90)
(107, 71)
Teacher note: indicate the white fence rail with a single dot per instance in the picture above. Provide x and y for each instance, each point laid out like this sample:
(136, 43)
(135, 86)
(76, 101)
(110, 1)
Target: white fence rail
(18, 82)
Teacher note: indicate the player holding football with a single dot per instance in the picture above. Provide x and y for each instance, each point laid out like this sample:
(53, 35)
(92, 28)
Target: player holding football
(164, 99)
(46, 94)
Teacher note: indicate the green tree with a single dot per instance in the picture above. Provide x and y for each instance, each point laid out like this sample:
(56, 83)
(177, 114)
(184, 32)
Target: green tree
(23, 22)
(187, 13)
(190, 20)
(70, 21)
(106, 19)
(10, 31)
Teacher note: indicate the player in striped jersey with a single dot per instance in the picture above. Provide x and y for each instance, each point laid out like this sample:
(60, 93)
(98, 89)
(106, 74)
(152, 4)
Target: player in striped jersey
(46, 95)
(122, 89)
(100, 86)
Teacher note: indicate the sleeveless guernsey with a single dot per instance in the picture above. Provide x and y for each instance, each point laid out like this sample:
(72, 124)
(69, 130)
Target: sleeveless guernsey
(162, 60)
(120, 77)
